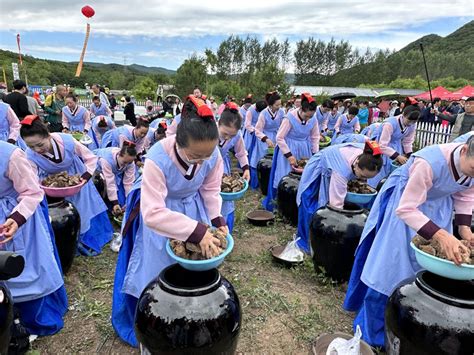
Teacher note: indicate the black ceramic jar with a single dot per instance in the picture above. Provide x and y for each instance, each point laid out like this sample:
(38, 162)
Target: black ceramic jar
(188, 312)
(335, 234)
(431, 315)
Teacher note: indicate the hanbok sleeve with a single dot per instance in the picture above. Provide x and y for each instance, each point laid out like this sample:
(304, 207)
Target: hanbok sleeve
(210, 192)
(463, 205)
(241, 153)
(65, 121)
(14, 124)
(385, 137)
(337, 126)
(129, 178)
(248, 122)
(109, 181)
(87, 121)
(285, 127)
(88, 158)
(407, 142)
(420, 181)
(337, 190)
(25, 182)
(160, 218)
(315, 136)
(259, 128)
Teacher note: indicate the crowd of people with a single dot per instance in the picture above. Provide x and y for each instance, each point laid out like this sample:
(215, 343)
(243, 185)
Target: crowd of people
(163, 172)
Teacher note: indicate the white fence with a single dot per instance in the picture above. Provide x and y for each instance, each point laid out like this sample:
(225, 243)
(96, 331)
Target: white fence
(431, 133)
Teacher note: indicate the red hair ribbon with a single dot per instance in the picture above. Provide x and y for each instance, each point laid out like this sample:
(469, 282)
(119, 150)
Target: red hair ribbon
(202, 109)
(164, 125)
(374, 147)
(232, 106)
(127, 143)
(307, 96)
(28, 120)
(203, 97)
(101, 118)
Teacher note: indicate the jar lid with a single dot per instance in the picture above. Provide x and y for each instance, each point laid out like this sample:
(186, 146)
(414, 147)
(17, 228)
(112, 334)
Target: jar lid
(349, 208)
(458, 293)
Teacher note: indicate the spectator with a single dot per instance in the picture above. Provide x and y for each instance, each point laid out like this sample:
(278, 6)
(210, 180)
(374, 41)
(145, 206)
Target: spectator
(103, 96)
(214, 107)
(33, 105)
(129, 111)
(363, 114)
(393, 108)
(113, 103)
(463, 122)
(17, 99)
(53, 106)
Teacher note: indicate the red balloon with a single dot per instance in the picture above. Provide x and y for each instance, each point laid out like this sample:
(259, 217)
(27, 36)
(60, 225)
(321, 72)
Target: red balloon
(88, 11)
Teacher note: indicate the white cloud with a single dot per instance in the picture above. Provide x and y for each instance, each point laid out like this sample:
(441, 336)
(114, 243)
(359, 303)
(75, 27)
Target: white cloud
(167, 18)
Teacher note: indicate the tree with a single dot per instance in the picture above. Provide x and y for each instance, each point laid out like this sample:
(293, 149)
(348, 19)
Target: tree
(191, 73)
(145, 88)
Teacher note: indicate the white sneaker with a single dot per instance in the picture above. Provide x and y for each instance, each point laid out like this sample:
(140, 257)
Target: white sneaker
(116, 242)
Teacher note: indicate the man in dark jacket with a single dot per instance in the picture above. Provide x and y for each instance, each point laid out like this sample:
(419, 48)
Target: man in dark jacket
(17, 99)
(129, 111)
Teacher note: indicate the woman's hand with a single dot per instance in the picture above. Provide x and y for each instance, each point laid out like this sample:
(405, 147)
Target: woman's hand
(466, 234)
(224, 229)
(270, 143)
(450, 246)
(116, 210)
(401, 159)
(7, 230)
(292, 160)
(246, 175)
(209, 245)
(65, 130)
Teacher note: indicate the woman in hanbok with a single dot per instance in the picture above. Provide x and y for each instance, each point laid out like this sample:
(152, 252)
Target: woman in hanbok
(332, 117)
(266, 129)
(100, 125)
(322, 114)
(180, 186)
(348, 123)
(418, 198)
(118, 167)
(297, 138)
(230, 137)
(155, 134)
(325, 177)
(75, 117)
(248, 101)
(395, 137)
(137, 135)
(57, 152)
(99, 108)
(38, 293)
(9, 124)
(250, 139)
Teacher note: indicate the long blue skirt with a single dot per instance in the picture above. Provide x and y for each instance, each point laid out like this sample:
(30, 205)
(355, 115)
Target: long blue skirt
(253, 178)
(230, 221)
(44, 316)
(368, 303)
(99, 234)
(124, 305)
(308, 206)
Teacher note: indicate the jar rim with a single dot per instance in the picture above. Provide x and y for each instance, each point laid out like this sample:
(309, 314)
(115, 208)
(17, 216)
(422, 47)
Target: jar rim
(446, 290)
(346, 211)
(180, 281)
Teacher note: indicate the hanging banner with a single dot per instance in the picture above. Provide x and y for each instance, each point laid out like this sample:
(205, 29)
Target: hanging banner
(19, 50)
(16, 72)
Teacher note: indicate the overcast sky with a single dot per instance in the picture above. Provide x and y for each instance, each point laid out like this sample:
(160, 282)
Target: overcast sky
(164, 32)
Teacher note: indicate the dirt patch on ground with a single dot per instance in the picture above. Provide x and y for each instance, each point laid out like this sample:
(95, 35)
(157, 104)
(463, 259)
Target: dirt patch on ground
(283, 309)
